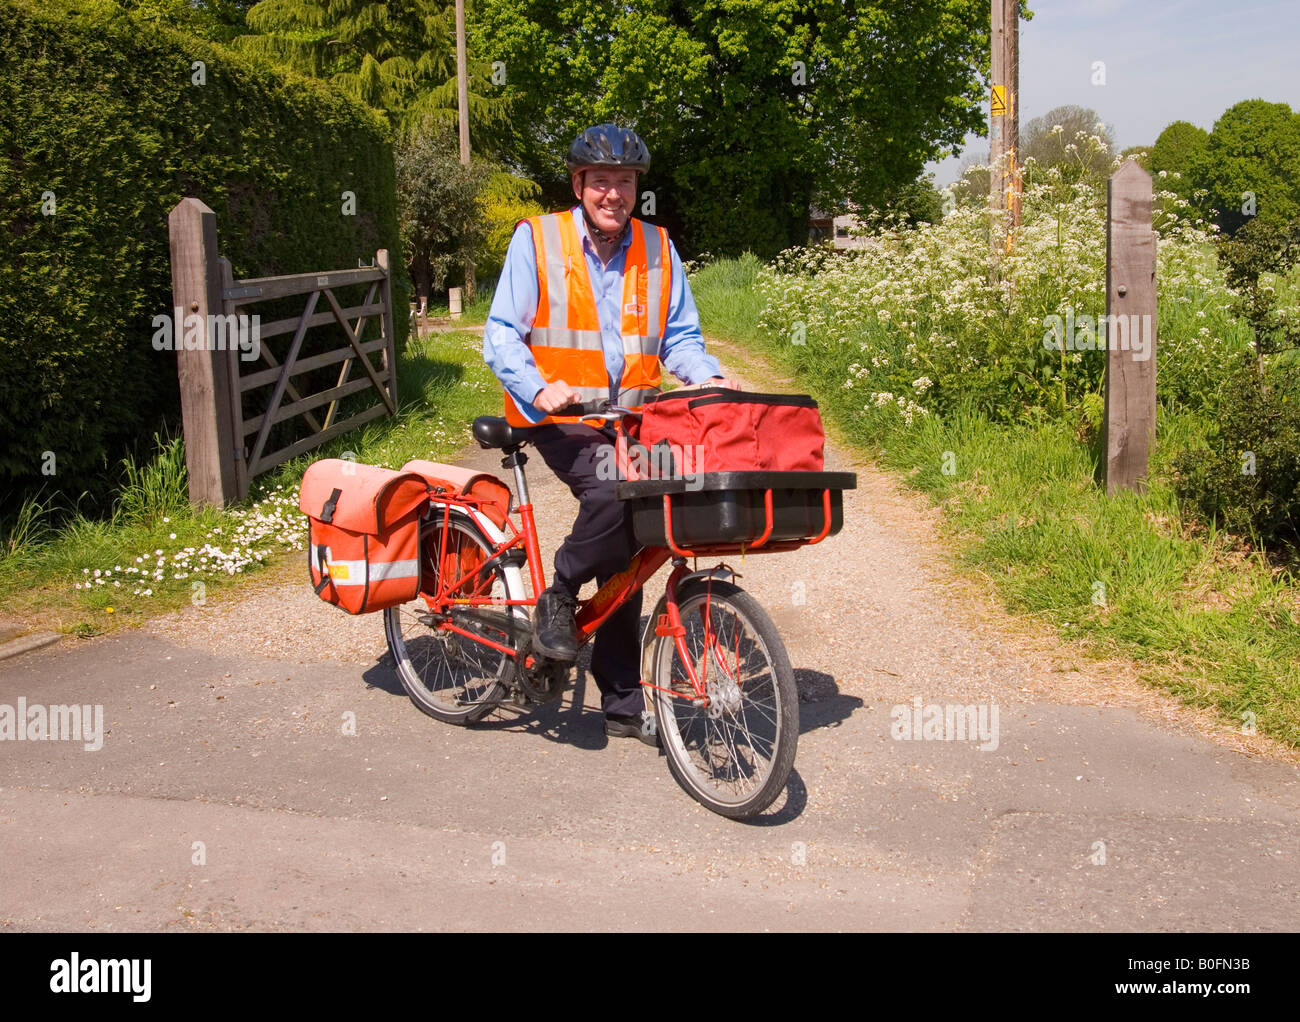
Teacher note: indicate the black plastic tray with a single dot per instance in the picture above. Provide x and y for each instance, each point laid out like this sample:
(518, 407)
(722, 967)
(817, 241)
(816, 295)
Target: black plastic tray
(727, 508)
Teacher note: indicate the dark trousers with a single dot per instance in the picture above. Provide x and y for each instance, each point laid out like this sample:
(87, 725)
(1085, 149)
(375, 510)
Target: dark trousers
(599, 546)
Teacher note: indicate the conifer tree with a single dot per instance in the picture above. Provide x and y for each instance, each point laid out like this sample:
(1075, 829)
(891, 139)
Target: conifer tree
(399, 58)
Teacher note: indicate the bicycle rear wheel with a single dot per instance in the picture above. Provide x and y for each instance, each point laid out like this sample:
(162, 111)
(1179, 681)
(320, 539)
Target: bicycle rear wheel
(446, 673)
(734, 755)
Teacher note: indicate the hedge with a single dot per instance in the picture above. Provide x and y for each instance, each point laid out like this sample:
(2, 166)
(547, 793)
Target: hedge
(109, 122)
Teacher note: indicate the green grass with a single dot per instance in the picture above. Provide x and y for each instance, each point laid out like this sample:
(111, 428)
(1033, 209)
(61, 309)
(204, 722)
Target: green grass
(724, 296)
(1201, 615)
(473, 313)
(443, 384)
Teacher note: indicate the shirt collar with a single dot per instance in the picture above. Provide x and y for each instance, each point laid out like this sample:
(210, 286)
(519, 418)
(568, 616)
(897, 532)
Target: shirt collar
(587, 243)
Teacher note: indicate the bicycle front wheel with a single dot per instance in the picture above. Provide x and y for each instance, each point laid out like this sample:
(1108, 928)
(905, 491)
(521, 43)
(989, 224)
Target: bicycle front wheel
(734, 753)
(446, 672)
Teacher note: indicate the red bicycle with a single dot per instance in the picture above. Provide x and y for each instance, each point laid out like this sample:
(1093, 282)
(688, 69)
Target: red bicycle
(714, 668)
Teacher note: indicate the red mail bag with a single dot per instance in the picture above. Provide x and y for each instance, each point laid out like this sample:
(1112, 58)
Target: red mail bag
(363, 541)
(722, 430)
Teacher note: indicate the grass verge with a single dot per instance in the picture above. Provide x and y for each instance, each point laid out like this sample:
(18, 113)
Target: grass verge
(1200, 613)
(65, 572)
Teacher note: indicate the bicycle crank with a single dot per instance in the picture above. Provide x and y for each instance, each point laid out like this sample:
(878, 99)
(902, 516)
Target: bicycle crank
(544, 681)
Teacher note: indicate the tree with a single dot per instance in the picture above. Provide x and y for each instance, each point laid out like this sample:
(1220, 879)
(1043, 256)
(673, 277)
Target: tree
(972, 185)
(1072, 138)
(438, 206)
(752, 109)
(503, 201)
(1253, 260)
(398, 58)
(1250, 164)
(219, 20)
(918, 201)
(1176, 149)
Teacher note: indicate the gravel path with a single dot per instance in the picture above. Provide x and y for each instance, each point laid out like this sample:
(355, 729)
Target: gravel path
(1103, 806)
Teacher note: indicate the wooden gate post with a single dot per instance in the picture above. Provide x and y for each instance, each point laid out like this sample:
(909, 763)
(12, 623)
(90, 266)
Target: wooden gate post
(388, 323)
(1130, 421)
(205, 377)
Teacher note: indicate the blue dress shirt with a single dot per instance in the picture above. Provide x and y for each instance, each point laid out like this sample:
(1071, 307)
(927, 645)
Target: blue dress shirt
(514, 305)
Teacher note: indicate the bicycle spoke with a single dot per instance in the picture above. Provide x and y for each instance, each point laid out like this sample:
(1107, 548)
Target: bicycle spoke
(447, 673)
(735, 753)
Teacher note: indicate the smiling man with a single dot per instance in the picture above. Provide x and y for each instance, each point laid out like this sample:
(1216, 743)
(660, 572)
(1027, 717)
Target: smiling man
(591, 301)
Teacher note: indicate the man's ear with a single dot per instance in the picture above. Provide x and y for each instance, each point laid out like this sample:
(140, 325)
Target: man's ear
(576, 181)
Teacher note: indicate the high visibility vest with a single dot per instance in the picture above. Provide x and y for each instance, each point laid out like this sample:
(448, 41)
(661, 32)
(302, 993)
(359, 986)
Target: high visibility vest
(565, 335)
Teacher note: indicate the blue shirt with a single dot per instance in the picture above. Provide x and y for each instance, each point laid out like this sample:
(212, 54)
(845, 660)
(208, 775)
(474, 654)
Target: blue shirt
(514, 305)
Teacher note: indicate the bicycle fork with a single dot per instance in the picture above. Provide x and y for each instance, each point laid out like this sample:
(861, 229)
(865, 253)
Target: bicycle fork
(670, 625)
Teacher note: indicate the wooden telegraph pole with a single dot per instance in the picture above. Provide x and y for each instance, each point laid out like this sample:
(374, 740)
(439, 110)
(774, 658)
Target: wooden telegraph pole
(1004, 126)
(462, 102)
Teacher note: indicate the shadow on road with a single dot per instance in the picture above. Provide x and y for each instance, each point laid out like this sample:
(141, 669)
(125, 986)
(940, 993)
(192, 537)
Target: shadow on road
(570, 722)
(565, 720)
(821, 704)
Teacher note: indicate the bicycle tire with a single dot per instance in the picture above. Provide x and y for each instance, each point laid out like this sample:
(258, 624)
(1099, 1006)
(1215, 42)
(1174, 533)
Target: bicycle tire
(765, 700)
(448, 676)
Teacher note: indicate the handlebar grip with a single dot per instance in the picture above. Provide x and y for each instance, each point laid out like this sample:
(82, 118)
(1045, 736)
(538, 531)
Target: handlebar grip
(598, 407)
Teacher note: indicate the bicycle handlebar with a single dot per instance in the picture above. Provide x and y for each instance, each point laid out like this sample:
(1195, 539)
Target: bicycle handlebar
(585, 408)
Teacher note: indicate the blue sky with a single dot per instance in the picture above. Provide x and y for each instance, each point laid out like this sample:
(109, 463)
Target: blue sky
(1166, 60)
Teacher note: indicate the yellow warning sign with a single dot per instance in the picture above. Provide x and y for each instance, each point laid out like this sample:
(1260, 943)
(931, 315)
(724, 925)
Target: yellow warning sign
(998, 101)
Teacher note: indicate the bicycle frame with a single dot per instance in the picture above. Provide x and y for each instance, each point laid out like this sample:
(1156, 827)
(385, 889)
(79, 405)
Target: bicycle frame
(593, 612)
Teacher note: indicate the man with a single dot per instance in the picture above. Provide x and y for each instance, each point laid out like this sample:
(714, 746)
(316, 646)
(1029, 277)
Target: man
(589, 304)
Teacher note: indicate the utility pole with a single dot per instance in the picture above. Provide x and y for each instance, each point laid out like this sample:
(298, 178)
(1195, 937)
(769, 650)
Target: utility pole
(462, 102)
(1004, 126)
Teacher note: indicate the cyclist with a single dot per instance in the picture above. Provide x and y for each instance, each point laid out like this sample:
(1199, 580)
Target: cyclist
(590, 302)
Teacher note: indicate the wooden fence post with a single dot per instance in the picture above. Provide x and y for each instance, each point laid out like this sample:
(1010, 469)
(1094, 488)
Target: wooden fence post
(205, 374)
(1130, 420)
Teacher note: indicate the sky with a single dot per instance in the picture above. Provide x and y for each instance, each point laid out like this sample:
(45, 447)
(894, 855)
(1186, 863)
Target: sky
(1165, 60)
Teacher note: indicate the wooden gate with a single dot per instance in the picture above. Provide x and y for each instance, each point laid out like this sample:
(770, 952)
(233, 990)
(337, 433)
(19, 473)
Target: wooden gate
(227, 444)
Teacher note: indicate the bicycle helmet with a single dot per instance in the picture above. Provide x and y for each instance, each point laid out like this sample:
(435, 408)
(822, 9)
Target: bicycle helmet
(608, 145)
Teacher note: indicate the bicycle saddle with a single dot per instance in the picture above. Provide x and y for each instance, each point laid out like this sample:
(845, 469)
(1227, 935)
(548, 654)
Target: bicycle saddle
(493, 431)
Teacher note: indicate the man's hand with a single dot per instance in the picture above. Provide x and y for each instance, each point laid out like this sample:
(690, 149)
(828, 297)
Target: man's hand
(722, 381)
(555, 396)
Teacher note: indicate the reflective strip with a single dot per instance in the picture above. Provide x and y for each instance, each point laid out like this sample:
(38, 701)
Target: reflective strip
(354, 573)
(557, 291)
(641, 346)
(636, 397)
(654, 264)
(580, 303)
(565, 337)
(593, 393)
(562, 337)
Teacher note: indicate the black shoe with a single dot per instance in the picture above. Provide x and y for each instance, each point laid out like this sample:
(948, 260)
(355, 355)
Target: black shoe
(555, 634)
(636, 725)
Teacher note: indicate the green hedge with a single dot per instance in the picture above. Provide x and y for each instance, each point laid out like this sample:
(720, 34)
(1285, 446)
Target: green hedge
(103, 112)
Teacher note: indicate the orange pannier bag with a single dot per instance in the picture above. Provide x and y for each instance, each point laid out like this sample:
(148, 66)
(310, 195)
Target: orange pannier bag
(363, 536)
(452, 480)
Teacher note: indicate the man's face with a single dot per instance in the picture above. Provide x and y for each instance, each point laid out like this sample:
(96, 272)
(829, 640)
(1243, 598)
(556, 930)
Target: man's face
(607, 193)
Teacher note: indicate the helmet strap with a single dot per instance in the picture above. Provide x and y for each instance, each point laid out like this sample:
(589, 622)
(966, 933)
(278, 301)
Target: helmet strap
(607, 239)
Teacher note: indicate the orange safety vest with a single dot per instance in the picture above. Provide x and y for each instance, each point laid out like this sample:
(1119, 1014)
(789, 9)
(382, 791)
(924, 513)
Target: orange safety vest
(565, 335)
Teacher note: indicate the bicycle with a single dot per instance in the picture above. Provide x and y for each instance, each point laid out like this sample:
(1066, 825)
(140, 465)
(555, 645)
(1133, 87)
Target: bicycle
(717, 673)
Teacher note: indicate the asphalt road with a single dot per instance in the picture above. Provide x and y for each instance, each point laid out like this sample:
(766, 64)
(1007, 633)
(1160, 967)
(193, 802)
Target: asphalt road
(227, 794)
